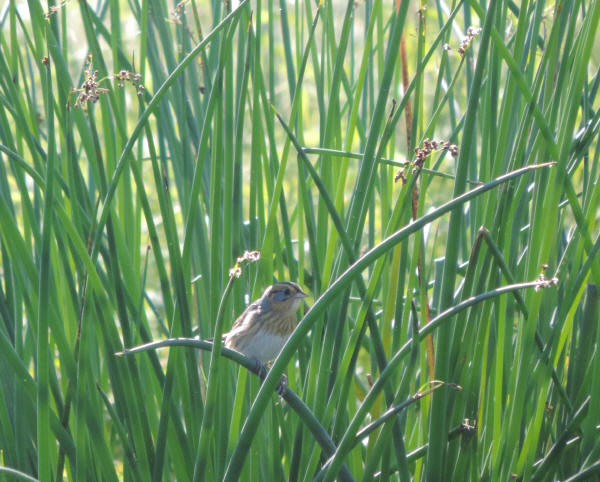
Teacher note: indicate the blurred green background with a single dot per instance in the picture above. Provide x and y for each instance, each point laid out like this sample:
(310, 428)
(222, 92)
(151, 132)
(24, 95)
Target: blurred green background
(452, 328)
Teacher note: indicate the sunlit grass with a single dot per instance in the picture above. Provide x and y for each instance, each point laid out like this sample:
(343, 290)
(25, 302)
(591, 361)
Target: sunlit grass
(442, 342)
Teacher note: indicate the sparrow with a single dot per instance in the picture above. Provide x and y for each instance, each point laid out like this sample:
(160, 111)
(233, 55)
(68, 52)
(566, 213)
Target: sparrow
(265, 325)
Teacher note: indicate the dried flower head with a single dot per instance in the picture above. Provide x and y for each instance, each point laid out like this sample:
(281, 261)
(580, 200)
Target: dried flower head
(252, 256)
(248, 256)
(465, 43)
(53, 9)
(421, 154)
(132, 77)
(89, 90)
(543, 282)
(177, 13)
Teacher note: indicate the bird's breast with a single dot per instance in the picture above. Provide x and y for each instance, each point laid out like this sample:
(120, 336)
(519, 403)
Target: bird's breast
(264, 346)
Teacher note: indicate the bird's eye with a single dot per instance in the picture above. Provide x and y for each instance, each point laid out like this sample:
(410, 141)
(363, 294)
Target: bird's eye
(287, 291)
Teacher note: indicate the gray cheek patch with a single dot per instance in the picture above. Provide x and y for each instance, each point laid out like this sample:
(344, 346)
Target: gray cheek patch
(281, 296)
(265, 304)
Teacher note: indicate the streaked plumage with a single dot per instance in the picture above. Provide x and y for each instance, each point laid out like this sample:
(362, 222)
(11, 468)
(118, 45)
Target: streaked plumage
(265, 325)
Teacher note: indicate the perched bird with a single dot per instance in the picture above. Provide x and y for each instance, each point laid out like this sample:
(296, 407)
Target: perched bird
(265, 325)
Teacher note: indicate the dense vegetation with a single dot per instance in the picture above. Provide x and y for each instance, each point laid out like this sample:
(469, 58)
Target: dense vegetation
(428, 171)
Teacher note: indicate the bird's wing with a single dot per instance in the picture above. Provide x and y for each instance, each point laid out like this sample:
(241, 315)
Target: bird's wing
(245, 318)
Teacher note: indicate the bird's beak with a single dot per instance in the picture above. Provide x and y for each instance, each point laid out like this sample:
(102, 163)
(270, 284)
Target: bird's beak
(301, 294)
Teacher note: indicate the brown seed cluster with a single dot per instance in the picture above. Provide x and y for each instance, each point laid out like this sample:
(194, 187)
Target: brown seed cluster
(250, 256)
(54, 9)
(89, 90)
(421, 154)
(465, 43)
(177, 14)
(431, 145)
(543, 282)
(133, 77)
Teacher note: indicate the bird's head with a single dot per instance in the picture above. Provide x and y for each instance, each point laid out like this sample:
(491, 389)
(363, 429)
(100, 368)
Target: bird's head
(285, 296)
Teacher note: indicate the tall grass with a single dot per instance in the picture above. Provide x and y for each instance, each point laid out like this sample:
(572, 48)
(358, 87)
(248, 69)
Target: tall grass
(452, 332)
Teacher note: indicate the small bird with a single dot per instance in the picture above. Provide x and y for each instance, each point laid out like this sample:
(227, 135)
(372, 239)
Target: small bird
(265, 325)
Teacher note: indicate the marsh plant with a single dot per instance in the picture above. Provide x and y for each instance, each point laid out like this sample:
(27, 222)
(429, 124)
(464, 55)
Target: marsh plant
(427, 172)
